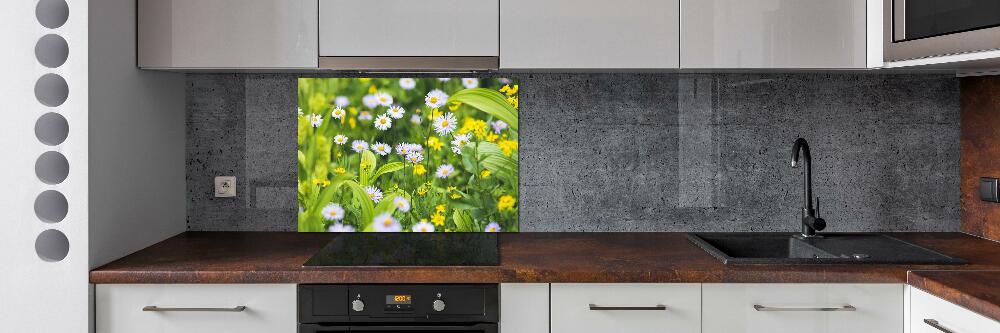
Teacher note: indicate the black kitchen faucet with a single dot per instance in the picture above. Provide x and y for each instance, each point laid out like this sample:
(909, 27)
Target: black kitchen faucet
(810, 221)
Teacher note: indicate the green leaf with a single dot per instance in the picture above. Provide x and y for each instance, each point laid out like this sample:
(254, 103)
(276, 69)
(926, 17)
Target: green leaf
(489, 101)
(387, 168)
(367, 167)
(363, 202)
(463, 222)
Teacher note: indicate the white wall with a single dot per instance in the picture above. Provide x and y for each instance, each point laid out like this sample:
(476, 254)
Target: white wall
(137, 191)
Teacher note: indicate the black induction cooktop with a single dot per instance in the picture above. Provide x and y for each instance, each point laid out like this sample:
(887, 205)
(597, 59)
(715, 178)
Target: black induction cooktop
(409, 249)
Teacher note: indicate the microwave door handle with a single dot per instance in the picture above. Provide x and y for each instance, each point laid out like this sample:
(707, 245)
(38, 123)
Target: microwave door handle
(484, 328)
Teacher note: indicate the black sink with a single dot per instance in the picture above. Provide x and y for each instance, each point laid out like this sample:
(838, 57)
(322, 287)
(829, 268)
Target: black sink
(834, 248)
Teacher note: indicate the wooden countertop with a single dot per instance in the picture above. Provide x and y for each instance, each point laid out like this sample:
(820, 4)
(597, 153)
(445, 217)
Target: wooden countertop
(974, 290)
(275, 257)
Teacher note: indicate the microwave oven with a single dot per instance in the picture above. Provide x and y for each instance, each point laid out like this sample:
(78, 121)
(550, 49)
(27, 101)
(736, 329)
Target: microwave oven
(915, 29)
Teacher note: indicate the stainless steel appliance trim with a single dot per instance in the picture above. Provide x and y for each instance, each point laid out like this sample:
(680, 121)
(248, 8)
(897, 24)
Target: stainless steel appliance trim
(658, 307)
(935, 324)
(154, 308)
(957, 43)
(410, 63)
(848, 307)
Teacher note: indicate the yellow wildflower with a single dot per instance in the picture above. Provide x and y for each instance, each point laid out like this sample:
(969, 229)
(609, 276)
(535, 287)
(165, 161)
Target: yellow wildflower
(435, 112)
(353, 110)
(321, 182)
(512, 91)
(485, 174)
(353, 122)
(438, 219)
(454, 106)
(456, 195)
(439, 209)
(508, 146)
(475, 126)
(512, 101)
(505, 88)
(372, 89)
(421, 191)
(434, 143)
(419, 169)
(339, 171)
(491, 137)
(506, 202)
(451, 188)
(418, 110)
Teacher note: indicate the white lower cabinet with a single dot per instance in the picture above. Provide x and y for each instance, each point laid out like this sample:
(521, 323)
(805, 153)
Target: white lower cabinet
(524, 307)
(625, 308)
(802, 308)
(195, 308)
(930, 314)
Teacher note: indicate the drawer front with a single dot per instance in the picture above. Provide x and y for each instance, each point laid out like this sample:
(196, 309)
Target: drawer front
(946, 315)
(407, 28)
(572, 311)
(269, 308)
(802, 308)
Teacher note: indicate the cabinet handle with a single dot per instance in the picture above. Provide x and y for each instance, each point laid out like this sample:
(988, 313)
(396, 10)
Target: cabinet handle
(935, 324)
(848, 307)
(595, 307)
(159, 309)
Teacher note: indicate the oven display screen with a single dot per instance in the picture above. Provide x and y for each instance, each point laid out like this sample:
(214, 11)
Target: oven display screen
(398, 299)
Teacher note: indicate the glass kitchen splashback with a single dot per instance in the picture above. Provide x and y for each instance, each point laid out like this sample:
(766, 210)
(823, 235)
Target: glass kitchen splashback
(407, 154)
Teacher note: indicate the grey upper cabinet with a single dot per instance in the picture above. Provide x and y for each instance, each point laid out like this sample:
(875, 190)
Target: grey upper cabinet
(409, 34)
(775, 34)
(193, 34)
(589, 34)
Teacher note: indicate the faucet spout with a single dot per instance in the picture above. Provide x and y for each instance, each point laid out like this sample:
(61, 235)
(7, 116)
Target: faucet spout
(810, 222)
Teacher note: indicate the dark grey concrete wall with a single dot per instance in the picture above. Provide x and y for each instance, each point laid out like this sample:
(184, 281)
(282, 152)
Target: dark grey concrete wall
(641, 152)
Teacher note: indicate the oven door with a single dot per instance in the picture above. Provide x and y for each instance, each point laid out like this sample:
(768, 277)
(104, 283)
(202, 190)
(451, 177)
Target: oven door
(474, 328)
(916, 29)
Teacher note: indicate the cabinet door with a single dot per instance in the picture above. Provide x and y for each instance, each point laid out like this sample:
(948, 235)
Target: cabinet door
(227, 34)
(191, 308)
(626, 307)
(582, 34)
(408, 28)
(524, 308)
(930, 314)
(802, 308)
(773, 34)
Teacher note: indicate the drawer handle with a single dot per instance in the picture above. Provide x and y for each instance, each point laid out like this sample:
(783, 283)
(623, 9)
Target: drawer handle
(935, 324)
(154, 308)
(759, 307)
(658, 307)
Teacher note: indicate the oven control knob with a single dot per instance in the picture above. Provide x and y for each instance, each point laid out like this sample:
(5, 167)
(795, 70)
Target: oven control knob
(358, 305)
(438, 305)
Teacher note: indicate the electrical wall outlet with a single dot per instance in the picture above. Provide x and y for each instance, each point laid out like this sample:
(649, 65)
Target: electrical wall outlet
(225, 187)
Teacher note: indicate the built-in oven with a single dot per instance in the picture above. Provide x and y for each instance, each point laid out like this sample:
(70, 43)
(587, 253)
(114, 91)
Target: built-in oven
(386, 308)
(916, 29)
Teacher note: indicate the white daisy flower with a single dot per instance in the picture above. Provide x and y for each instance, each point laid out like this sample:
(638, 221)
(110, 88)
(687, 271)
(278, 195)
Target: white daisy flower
(370, 101)
(337, 227)
(359, 146)
(414, 157)
(445, 124)
(401, 204)
(498, 126)
(300, 112)
(384, 99)
(445, 171)
(407, 83)
(423, 227)
(386, 223)
(504, 80)
(456, 150)
(383, 122)
(315, 120)
(340, 139)
(415, 147)
(470, 82)
(365, 116)
(341, 101)
(302, 210)
(396, 111)
(492, 227)
(373, 193)
(436, 98)
(338, 113)
(444, 79)
(381, 149)
(403, 148)
(333, 212)
(461, 140)
(416, 119)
